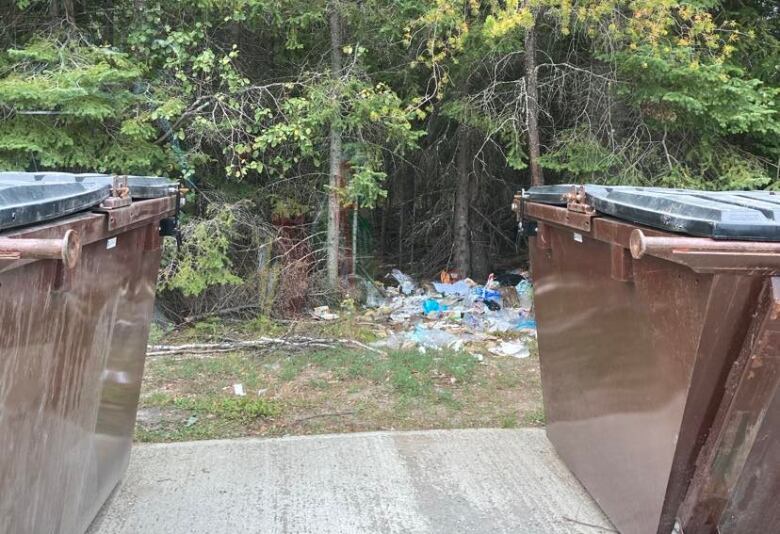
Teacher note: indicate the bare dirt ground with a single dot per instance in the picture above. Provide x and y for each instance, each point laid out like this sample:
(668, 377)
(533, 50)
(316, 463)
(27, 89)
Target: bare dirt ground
(331, 390)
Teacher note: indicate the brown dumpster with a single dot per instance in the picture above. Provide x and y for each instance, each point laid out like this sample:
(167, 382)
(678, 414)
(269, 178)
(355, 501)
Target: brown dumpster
(79, 256)
(658, 317)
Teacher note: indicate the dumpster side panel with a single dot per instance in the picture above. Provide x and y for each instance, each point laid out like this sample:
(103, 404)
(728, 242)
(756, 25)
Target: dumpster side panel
(619, 356)
(72, 347)
(735, 486)
(51, 350)
(136, 260)
(730, 307)
(754, 502)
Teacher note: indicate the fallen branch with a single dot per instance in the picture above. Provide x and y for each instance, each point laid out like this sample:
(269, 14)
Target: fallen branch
(260, 343)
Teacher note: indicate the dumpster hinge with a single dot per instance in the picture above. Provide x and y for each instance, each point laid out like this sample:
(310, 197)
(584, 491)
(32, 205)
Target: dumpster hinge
(120, 195)
(525, 227)
(169, 227)
(576, 201)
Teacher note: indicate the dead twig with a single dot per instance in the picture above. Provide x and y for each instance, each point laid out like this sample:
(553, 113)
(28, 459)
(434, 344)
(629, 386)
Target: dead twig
(260, 343)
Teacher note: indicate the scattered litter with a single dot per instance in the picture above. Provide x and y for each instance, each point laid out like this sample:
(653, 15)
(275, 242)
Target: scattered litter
(454, 313)
(527, 324)
(492, 305)
(448, 277)
(504, 320)
(261, 392)
(433, 338)
(406, 283)
(397, 341)
(509, 279)
(460, 288)
(374, 298)
(400, 316)
(525, 294)
(238, 389)
(516, 349)
(487, 295)
(191, 420)
(323, 313)
(433, 306)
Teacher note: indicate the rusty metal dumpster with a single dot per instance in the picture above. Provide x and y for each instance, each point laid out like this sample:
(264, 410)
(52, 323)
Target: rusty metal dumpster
(658, 317)
(79, 256)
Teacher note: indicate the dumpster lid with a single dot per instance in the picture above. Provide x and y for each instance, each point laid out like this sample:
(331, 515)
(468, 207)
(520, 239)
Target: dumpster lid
(141, 187)
(739, 215)
(33, 197)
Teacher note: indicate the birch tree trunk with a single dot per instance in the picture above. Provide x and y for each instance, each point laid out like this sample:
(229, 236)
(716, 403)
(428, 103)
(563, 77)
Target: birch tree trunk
(334, 181)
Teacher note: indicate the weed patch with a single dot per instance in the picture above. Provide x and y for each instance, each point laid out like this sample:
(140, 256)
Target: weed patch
(231, 408)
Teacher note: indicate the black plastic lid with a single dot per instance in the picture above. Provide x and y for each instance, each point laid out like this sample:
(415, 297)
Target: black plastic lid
(141, 187)
(30, 197)
(739, 215)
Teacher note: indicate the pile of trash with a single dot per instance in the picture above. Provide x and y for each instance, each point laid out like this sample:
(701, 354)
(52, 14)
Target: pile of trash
(453, 313)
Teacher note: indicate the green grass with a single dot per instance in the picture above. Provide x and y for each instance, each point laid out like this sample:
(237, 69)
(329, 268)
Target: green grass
(409, 373)
(231, 408)
(329, 390)
(345, 328)
(156, 334)
(535, 417)
(235, 408)
(291, 368)
(509, 420)
(208, 328)
(227, 368)
(264, 326)
(202, 429)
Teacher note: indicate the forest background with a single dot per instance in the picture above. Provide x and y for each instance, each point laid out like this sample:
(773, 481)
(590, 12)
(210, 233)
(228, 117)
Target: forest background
(324, 141)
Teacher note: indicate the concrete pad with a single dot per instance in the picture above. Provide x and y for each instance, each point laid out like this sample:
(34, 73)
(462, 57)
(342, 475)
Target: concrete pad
(439, 481)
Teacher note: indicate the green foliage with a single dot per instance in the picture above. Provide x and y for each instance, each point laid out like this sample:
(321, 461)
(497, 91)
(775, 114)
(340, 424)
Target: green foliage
(238, 96)
(500, 127)
(678, 92)
(203, 261)
(580, 154)
(368, 115)
(718, 168)
(674, 63)
(69, 104)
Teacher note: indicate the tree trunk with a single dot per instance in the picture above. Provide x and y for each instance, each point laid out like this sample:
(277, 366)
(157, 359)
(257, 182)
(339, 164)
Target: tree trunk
(383, 223)
(70, 12)
(335, 150)
(400, 187)
(461, 230)
(532, 105)
(354, 239)
(480, 247)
